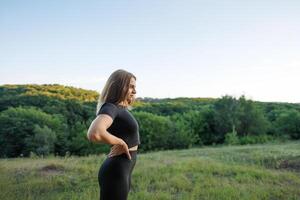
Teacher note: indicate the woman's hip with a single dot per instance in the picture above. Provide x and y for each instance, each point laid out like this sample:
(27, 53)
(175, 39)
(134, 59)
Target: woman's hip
(118, 165)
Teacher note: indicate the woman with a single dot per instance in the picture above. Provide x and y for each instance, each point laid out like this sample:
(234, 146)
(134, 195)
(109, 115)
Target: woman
(116, 126)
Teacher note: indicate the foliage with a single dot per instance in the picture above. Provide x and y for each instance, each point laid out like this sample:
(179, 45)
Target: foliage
(53, 119)
(231, 138)
(288, 122)
(160, 132)
(19, 124)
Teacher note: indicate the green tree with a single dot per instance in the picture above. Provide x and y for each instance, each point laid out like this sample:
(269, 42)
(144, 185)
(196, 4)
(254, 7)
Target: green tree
(42, 142)
(17, 124)
(226, 116)
(288, 122)
(251, 119)
(159, 132)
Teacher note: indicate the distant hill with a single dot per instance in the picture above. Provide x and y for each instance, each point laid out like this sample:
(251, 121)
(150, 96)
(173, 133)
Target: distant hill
(35, 95)
(10, 94)
(49, 90)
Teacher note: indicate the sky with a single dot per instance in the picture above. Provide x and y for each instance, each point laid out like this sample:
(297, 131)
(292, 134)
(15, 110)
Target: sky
(175, 48)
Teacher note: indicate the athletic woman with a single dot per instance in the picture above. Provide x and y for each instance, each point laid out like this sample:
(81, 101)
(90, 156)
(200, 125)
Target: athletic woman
(115, 125)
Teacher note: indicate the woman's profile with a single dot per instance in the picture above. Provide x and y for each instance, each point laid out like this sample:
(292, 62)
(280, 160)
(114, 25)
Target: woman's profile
(115, 125)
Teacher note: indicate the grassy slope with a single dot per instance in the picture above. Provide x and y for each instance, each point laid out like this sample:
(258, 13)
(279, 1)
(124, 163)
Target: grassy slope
(269, 171)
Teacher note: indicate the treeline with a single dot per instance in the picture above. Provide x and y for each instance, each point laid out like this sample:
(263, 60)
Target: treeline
(53, 119)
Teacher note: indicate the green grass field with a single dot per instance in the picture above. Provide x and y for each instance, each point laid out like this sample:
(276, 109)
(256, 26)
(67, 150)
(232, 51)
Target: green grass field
(270, 171)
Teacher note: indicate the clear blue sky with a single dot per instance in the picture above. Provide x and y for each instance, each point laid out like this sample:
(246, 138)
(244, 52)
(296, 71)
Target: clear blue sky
(200, 48)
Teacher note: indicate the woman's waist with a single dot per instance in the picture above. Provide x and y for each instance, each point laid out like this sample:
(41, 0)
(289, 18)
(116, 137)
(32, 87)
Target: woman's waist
(134, 148)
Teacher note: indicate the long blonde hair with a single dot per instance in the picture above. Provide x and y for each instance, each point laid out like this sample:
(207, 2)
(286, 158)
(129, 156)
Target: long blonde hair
(115, 88)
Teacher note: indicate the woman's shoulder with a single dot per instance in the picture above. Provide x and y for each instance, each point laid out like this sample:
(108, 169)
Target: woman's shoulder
(108, 108)
(114, 106)
(109, 104)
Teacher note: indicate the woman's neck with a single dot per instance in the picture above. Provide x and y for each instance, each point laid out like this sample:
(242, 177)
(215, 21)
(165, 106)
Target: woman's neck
(123, 104)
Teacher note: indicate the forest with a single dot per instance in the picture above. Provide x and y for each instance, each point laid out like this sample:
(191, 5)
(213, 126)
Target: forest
(53, 119)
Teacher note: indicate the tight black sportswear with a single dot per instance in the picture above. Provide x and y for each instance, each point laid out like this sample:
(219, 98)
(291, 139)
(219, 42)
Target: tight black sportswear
(114, 176)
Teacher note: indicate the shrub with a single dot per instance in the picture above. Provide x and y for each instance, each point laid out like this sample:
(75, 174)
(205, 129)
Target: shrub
(231, 138)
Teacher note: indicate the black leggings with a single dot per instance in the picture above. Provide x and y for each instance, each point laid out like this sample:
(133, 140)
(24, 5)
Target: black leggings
(114, 176)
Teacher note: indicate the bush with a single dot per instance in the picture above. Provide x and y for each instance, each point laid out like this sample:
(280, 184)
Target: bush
(255, 139)
(231, 138)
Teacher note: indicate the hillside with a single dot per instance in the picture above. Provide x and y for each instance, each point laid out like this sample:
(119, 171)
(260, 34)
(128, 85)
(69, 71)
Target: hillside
(53, 119)
(49, 90)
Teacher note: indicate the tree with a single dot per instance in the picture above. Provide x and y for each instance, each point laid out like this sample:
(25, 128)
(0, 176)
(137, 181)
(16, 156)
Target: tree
(159, 132)
(288, 122)
(17, 124)
(251, 119)
(226, 116)
(42, 142)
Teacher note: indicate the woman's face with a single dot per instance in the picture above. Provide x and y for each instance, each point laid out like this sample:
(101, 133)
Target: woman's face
(131, 91)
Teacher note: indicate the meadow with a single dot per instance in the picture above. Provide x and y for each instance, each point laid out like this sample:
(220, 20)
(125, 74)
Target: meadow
(261, 171)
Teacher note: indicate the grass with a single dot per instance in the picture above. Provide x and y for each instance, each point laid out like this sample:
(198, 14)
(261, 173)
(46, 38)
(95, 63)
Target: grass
(269, 171)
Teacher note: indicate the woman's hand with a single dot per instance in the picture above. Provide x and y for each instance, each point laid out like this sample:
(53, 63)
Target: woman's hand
(118, 149)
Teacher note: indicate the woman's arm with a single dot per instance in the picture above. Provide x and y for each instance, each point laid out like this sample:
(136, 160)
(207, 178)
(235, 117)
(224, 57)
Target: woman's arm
(97, 131)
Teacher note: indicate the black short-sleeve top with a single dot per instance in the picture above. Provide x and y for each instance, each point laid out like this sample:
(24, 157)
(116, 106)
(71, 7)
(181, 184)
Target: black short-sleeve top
(124, 125)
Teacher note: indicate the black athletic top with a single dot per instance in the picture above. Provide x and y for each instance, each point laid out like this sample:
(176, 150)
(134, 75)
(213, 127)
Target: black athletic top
(124, 124)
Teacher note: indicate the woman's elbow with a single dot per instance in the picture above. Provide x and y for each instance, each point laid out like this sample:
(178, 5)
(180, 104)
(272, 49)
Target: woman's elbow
(94, 137)
(89, 137)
